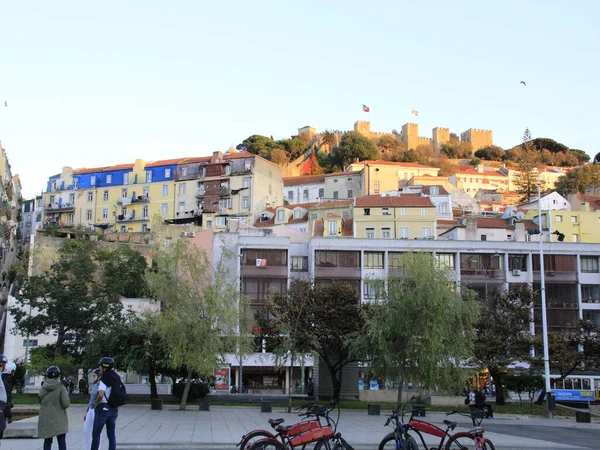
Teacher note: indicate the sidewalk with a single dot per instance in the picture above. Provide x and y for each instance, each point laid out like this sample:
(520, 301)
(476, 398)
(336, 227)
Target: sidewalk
(139, 427)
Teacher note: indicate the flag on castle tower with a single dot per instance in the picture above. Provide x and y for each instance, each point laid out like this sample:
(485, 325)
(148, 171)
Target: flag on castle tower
(366, 108)
(414, 112)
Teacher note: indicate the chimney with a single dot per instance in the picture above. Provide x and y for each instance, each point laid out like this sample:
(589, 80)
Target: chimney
(471, 228)
(480, 168)
(217, 157)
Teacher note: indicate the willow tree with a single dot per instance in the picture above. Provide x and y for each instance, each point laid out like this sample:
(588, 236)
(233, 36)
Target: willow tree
(200, 314)
(421, 329)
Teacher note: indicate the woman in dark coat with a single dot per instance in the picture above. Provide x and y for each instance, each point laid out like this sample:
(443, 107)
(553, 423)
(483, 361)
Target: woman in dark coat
(54, 401)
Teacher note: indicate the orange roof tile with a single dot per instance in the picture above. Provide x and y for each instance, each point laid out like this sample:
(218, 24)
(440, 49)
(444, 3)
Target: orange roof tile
(493, 173)
(164, 162)
(402, 200)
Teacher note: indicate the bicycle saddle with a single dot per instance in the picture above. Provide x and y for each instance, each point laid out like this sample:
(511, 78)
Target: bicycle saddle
(450, 424)
(283, 428)
(276, 421)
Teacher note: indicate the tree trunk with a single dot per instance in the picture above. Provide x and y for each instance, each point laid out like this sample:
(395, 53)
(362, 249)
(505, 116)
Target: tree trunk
(60, 339)
(497, 376)
(186, 390)
(152, 379)
(542, 396)
(400, 386)
(291, 384)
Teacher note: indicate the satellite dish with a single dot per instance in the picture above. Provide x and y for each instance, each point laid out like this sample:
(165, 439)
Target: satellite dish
(597, 158)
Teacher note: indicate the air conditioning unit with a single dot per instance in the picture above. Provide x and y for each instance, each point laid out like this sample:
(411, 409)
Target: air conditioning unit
(191, 234)
(516, 272)
(182, 234)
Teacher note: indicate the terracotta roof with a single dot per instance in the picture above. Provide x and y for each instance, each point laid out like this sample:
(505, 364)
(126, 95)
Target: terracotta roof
(85, 170)
(332, 204)
(442, 222)
(268, 223)
(441, 189)
(164, 162)
(200, 159)
(306, 179)
(382, 162)
(402, 200)
(337, 174)
(593, 201)
(493, 173)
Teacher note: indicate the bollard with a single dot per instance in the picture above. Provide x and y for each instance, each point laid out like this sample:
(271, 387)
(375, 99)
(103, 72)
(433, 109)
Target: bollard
(373, 409)
(266, 407)
(583, 417)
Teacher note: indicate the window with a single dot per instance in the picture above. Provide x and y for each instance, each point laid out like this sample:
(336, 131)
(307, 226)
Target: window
(88, 214)
(145, 193)
(372, 289)
(221, 221)
(370, 233)
(270, 189)
(305, 194)
(444, 209)
(274, 257)
(321, 192)
(425, 232)
(209, 224)
(590, 293)
(386, 233)
(350, 193)
(345, 214)
(105, 196)
(367, 211)
(181, 207)
(105, 213)
(145, 212)
(122, 228)
(280, 215)
(385, 211)
(123, 193)
(574, 219)
(165, 190)
(445, 260)
(144, 228)
(182, 189)
(589, 264)
(72, 198)
(314, 216)
(246, 182)
(259, 290)
(168, 242)
(403, 211)
(93, 180)
(558, 218)
(433, 191)
(228, 170)
(335, 194)
(126, 178)
(246, 202)
(299, 263)
(291, 195)
(374, 260)
(517, 262)
(52, 199)
(123, 210)
(90, 196)
(334, 258)
(225, 203)
(298, 214)
(376, 187)
(403, 233)
(148, 176)
(423, 211)
(164, 208)
(483, 237)
(167, 173)
(32, 343)
(108, 178)
(332, 227)
(575, 237)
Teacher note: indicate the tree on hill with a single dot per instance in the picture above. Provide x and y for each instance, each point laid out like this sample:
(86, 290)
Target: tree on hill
(579, 179)
(293, 147)
(526, 179)
(259, 145)
(390, 147)
(354, 146)
(582, 157)
(551, 152)
(329, 139)
(491, 153)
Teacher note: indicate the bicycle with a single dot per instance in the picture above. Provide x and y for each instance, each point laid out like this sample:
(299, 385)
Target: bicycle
(283, 432)
(326, 437)
(473, 439)
(400, 437)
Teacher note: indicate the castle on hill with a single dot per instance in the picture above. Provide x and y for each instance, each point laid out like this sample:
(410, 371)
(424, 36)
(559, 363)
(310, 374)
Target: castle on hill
(478, 138)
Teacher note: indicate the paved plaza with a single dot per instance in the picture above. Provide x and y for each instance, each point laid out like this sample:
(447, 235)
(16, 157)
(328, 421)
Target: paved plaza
(139, 427)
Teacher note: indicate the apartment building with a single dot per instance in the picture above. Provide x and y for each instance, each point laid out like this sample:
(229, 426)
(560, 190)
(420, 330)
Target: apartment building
(481, 177)
(303, 189)
(237, 185)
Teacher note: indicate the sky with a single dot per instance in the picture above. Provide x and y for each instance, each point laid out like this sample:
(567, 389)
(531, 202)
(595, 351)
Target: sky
(92, 83)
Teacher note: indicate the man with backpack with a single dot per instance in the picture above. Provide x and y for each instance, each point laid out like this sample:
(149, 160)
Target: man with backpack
(111, 395)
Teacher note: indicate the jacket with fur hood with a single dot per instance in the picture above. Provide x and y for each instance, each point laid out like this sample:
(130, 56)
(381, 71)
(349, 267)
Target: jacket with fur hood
(54, 401)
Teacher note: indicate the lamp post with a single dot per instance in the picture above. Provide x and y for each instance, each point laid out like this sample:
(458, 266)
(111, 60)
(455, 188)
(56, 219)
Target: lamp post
(543, 301)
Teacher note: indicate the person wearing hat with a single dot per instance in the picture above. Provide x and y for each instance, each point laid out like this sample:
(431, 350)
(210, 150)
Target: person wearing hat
(7, 374)
(3, 396)
(54, 401)
(88, 424)
(105, 413)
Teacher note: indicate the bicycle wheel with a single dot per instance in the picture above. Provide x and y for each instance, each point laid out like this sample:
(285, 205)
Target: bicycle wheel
(252, 437)
(462, 441)
(266, 444)
(389, 443)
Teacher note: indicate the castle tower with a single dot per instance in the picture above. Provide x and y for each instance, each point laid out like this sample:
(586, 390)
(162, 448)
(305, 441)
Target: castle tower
(308, 130)
(363, 127)
(441, 136)
(477, 138)
(410, 135)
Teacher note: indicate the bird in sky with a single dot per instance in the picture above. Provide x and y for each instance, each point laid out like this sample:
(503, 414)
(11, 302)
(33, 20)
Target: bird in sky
(414, 112)
(5, 103)
(523, 83)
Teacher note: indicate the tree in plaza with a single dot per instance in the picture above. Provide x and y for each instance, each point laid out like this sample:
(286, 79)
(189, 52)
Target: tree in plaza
(570, 351)
(79, 294)
(502, 333)
(421, 329)
(353, 146)
(579, 179)
(200, 308)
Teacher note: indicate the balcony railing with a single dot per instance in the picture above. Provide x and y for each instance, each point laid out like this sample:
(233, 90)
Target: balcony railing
(129, 201)
(62, 207)
(130, 218)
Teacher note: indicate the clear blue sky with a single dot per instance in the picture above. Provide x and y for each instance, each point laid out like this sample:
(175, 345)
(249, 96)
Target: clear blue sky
(93, 83)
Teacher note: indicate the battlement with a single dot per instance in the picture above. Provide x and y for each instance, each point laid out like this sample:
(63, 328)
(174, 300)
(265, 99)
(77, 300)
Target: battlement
(441, 129)
(477, 130)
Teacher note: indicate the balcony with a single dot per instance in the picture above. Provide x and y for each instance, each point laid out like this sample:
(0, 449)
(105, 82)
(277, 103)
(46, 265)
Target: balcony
(224, 192)
(555, 276)
(482, 274)
(56, 207)
(130, 218)
(129, 201)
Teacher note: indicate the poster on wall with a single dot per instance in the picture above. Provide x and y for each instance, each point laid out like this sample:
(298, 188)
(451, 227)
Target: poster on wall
(222, 378)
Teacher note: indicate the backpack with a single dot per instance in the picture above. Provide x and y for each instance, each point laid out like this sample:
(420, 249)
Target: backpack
(118, 394)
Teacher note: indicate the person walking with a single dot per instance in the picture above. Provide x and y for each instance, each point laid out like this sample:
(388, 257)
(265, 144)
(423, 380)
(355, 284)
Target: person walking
(105, 413)
(54, 401)
(7, 375)
(3, 396)
(88, 419)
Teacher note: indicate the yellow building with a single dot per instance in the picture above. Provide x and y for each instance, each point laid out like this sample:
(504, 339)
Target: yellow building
(408, 216)
(576, 226)
(549, 176)
(481, 177)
